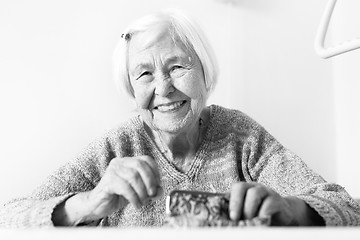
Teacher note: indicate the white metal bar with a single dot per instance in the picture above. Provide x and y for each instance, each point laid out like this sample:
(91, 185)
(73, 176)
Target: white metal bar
(321, 34)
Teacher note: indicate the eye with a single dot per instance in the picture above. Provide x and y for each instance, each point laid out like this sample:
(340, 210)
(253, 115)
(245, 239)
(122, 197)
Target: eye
(178, 71)
(143, 74)
(175, 67)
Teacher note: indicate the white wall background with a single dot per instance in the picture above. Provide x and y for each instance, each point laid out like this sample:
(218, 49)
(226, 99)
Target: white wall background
(57, 93)
(346, 78)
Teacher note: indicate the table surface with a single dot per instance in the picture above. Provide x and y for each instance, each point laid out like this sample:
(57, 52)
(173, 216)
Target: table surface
(251, 233)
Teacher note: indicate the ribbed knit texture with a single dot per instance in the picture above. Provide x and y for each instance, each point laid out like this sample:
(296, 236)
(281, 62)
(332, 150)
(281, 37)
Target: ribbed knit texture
(235, 148)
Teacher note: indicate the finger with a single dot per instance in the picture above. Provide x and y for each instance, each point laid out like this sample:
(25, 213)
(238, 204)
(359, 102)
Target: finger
(269, 207)
(253, 201)
(134, 179)
(149, 160)
(159, 193)
(237, 197)
(147, 174)
(124, 189)
(277, 209)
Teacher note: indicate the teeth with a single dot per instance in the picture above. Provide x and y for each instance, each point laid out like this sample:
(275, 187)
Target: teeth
(164, 108)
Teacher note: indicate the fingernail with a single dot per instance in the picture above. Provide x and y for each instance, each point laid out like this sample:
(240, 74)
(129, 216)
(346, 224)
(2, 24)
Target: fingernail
(152, 192)
(233, 215)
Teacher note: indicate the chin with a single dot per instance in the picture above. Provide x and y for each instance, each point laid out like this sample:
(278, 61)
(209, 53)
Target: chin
(174, 126)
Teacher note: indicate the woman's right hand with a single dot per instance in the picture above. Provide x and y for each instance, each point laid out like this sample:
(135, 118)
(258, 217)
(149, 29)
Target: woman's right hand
(126, 180)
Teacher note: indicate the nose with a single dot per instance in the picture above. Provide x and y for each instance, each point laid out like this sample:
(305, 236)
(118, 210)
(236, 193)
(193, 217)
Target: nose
(164, 86)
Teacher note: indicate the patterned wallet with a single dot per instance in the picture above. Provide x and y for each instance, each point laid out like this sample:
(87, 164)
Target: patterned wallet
(203, 209)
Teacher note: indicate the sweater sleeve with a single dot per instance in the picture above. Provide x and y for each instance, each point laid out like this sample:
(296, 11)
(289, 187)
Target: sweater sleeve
(79, 175)
(266, 161)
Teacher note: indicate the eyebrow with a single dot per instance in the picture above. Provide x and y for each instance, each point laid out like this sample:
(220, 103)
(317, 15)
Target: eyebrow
(142, 66)
(174, 59)
(168, 61)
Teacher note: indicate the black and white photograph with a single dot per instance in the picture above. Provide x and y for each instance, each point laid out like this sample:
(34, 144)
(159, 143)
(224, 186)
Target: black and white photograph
(199, 119)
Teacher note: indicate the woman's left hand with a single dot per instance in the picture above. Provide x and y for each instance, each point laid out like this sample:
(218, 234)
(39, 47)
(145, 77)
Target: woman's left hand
(249, 200)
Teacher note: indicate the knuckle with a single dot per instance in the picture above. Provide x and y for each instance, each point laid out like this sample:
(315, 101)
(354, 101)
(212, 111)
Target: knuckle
(138, 164)
(113, 162)
(133, 174)
(146, 158)
(255, 191)
(237, 186)
(117, 163)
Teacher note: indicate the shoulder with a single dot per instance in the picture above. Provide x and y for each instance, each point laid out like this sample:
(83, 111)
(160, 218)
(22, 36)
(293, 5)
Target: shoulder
(117, 140)
(233, 119)
(125, 129)
(125, 134)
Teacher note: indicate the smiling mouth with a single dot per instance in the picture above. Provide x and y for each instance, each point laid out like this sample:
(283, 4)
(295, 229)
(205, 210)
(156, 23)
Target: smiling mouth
(170, 106)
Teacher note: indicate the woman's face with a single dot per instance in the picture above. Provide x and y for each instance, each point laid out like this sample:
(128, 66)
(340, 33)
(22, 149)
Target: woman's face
(168, 82)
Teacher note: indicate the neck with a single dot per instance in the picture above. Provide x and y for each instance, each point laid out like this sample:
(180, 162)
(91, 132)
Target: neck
(180, 145)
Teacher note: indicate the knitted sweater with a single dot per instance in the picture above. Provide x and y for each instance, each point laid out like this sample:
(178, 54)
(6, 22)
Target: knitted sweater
(235, 148)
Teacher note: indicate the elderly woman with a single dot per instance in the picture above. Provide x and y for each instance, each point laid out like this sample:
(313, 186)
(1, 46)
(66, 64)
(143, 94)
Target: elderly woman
(178, 142)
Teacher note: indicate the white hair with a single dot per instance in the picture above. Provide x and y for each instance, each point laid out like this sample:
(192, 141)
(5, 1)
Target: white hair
(179, 25)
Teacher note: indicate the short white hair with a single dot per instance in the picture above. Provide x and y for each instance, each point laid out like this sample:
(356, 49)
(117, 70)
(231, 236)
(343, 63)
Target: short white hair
(180, 25)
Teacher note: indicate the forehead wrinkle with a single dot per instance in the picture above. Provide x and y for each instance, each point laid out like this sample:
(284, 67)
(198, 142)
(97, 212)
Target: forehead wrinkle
(178, 52)
(175, 58)
(144, 42)
(166, 58)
